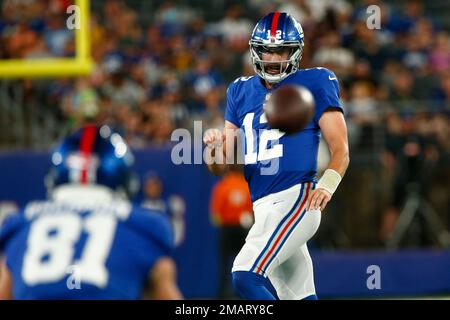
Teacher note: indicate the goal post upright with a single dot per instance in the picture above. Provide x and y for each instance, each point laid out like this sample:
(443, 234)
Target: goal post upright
(80, 65)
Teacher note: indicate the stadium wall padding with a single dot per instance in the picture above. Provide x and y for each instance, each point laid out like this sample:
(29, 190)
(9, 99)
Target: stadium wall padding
(337, 274)
(405, 273)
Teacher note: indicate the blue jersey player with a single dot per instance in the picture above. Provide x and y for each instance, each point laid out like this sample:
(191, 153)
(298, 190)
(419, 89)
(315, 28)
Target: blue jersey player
(87, 241)
(281, 169)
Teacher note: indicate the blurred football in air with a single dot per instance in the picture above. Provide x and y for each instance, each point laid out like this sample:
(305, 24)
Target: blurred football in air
(290, 108)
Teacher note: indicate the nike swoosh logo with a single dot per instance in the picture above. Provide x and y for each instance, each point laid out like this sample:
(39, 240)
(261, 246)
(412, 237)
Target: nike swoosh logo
(278, 201)
(329, 77)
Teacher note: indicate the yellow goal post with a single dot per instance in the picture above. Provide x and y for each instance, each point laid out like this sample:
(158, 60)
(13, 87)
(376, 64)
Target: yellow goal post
(81, 65)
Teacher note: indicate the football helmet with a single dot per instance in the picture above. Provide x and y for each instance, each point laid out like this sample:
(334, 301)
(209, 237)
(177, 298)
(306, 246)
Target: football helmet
(275, 33)
(93, 155)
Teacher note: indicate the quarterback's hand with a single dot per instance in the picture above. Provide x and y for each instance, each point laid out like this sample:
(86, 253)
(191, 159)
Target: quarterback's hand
(213, 138)
(318, 199)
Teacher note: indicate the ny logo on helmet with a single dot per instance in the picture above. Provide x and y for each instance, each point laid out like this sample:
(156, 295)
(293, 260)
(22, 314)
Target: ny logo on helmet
(78, 162)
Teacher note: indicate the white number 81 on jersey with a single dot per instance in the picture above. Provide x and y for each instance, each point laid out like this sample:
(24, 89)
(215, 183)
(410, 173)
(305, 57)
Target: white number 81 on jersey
(55, 236)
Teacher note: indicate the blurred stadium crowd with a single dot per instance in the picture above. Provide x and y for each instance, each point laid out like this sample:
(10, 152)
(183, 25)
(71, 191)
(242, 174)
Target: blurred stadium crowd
(157, 69)
(160, 65)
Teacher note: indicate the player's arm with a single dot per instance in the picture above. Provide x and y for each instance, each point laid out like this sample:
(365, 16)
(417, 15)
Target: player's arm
(163, 281)
(5, 282)
(217, 141)
(334, 130)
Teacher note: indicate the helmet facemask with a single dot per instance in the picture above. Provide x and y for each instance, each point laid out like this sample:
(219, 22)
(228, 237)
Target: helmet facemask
(265, 69)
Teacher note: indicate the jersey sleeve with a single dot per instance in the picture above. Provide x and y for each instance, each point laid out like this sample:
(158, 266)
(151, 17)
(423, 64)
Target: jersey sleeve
(230, 111)
(327, 94)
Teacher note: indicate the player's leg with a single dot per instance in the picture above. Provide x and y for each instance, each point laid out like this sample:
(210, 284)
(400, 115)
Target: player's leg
(247, 284)
(294, 278)
(272, 215)
(294, 231)
(253, 286)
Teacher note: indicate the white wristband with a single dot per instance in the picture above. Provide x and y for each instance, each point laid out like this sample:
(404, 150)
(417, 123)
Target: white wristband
(329, 181)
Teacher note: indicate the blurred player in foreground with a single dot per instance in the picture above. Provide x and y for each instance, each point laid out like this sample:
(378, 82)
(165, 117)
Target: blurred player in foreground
(87, 241)
(275, 263)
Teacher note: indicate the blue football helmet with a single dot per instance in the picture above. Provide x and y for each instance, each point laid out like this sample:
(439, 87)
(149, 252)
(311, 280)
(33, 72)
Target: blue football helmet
(275, 33)
(96, 156)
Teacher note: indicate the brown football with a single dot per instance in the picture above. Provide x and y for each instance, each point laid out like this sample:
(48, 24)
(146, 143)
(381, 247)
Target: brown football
(290, 108)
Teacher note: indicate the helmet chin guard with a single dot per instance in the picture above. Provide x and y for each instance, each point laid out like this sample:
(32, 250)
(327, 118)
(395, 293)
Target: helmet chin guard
(286, 67)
